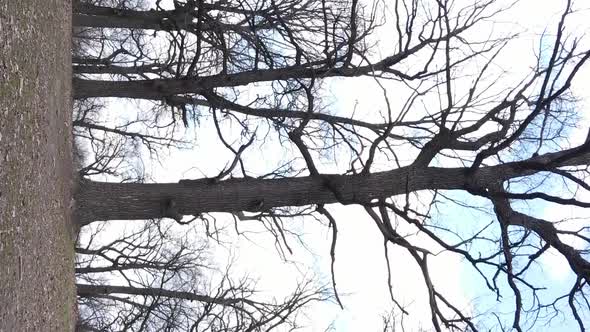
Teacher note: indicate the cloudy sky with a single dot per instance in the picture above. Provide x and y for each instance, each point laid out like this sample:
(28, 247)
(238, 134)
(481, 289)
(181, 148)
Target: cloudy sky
(360, 264)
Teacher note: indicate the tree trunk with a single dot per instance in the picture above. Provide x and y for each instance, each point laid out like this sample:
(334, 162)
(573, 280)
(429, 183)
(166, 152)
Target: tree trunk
(159, 88)
(159, 20)
(87, 15)
(123, 267)
(147, 22)
(85, 290)
(136, 201)
(117, 70)
(130, 201)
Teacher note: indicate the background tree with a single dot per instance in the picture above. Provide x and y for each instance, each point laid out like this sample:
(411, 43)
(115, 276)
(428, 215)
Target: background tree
(168, 285)
(456, 127)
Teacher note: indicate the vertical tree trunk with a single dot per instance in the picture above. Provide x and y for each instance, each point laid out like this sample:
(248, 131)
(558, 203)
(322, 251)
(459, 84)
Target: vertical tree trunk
(142, 89)
(148, 22)
(88, 15)
(116, 69)
(85, 290)
(158, 88)
(133, 201)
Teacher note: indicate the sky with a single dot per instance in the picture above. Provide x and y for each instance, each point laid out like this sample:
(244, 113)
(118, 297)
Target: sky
(360, 267)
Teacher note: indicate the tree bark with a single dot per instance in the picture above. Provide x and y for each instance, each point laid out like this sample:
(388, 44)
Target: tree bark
(149, 21)
(136, 201)
(159, 88)
(85, 290)
(87, 15)
(117, 70)
(159, 20)
(123, 267)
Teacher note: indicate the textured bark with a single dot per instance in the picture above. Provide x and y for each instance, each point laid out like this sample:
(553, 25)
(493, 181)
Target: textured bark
(88, 15)
(159, 20)
(158, 88)
(117, 70)
(154, 20)
(124, 267)
(133, 201)
(85, 290)
(148, 21)
(104, 201)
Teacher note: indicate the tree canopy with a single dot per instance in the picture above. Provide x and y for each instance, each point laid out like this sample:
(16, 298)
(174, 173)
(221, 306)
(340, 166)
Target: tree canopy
(467, 130)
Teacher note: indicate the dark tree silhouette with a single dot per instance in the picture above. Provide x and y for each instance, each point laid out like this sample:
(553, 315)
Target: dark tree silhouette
(151, 279)
(455, 127)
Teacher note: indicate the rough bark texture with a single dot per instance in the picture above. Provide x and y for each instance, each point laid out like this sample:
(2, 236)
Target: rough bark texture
(88, 15)
(158, 88)
(147, 21)
(37, 289)
(132, 201)
(85, 290)
(116, 70)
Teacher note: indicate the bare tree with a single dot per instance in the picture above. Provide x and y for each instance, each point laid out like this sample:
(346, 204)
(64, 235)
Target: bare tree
(460, 127)
(150, 279)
